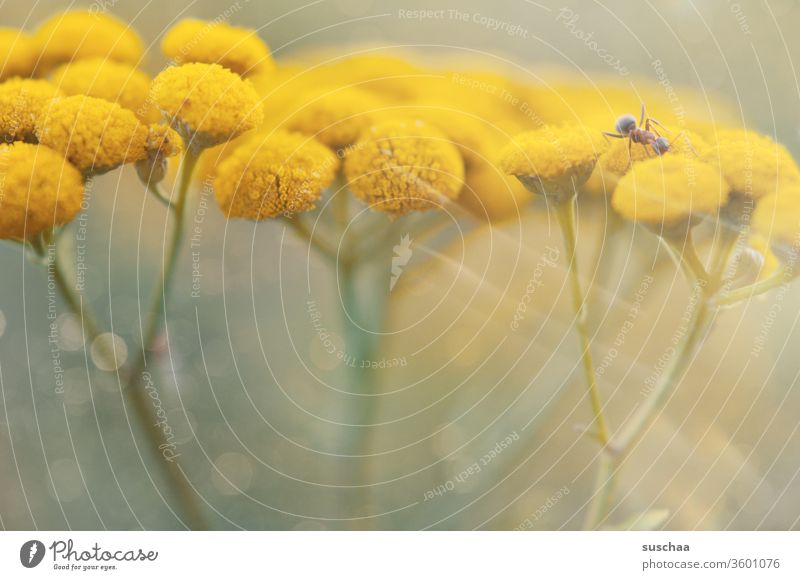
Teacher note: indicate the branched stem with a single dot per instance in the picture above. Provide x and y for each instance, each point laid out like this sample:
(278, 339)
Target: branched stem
(565, 212)
(135, 388)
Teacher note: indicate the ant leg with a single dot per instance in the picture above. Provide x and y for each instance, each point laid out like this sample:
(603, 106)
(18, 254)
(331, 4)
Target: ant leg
(614, 135)
(630, 155)
(641, 121)
(657, 124)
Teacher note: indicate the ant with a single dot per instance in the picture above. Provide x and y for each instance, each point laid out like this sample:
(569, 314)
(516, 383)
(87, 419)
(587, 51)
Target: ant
(646, 133)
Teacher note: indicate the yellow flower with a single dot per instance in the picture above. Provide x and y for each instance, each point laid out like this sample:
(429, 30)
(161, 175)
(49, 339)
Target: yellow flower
(281, 173)
(162, 142)
(40, 190)
(206, 103)
(553, 160)
(105, 79)
(400, 166)
(81, 34)
(238, 49)
(336, 117)
(490, 195)
(95, 135)
(669, 190)
(616, 162)
(753, 164)
(21, 103)
(19, 54)
(471, 134)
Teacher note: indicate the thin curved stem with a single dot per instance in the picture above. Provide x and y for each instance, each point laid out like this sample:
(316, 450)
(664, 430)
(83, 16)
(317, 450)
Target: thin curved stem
(747, 292)
(136, 387)
(565, 212)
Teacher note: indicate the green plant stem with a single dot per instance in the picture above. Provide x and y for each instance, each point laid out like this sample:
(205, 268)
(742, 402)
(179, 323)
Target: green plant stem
(747, 292)
(135, 390)
(565, 212)
(620, 446)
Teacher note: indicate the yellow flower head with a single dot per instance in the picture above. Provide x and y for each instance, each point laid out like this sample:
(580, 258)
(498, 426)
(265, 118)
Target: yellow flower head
(162, 142)
(105, 79)
(21, 103)
(206, 103)
(338, 117)
(281, 173)
(19, 54)
(753, 164)
(553, 160)
(491, 195)
(469, 133)
(238, 49)
(616, 162)
(38, 190)
(668, 190)
(399, 166)
(81, 34)
(95, 135)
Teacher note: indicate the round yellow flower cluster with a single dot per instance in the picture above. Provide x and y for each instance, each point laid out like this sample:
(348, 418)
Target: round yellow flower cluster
(40, 191)
(206, 103)
(281, 173)
(553, 160)
(400, 166)
(668, 191)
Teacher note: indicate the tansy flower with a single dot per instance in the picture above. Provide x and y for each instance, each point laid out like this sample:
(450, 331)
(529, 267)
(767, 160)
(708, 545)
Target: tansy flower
(238, 49)
(669, 190)
(616, 162)
(753, 164)
(95, 135)
(81, 34)
(19, 54)
(469, 133)
(21, 103)
(553, 160)
(162, 142)
(40, 190)
(491, 195)
(400, 166)
(105, 79)
(337, 117)
(281, 173)
(206, 104)
(389, 76)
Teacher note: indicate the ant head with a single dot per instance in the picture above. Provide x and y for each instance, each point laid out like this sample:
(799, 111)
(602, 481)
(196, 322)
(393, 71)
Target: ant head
(626, 124)
(661, 145)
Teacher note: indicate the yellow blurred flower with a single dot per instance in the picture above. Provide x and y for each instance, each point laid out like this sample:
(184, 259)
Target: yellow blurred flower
(491, 195)
(237, 49)
(281, 173)
(553, 160)
(80, 34)
(95, 135)
(336, 117)
(40, 190)
(113, 81)
(19, 53)
(399, 166)
(753, 164)
(21, 103)
(668, 190)
(206, 103)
